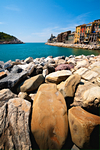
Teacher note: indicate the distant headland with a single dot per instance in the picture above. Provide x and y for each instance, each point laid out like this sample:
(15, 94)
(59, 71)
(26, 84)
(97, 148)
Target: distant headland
(8, 39)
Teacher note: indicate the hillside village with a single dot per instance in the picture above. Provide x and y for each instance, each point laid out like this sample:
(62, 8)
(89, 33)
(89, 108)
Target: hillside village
(84, 34)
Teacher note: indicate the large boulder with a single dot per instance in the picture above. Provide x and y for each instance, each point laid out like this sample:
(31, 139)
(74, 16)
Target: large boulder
(69, 86)
(29, 68)
(5, 95)
(84, 128)
(49, 123)
(14, 125)
(87, 95)
(12, 79)
(32, 84)
(64, 67)
(58, 76)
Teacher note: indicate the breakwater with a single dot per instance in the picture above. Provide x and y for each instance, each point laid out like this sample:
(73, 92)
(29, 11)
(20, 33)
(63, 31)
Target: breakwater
(50, 103)
(78, 46)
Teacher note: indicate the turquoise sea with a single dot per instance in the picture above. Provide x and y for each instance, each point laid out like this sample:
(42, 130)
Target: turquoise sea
(37, 50)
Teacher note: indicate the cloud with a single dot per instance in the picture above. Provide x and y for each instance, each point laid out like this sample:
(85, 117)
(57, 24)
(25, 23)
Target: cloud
(12, 8)
(1, 23)
(70, 25)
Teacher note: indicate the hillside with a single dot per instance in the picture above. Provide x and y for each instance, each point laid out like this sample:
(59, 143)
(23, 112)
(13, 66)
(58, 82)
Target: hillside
(8, 39)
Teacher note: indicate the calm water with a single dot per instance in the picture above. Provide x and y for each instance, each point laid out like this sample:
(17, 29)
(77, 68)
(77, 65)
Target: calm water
(37, 50)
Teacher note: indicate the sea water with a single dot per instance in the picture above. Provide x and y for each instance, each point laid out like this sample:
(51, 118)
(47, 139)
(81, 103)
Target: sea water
(38, 50)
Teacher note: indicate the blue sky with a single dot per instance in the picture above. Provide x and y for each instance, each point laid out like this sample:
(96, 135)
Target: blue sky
(35, 20)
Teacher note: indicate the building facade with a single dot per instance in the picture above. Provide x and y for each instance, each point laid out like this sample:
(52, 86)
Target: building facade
(82, 33)
(77, 34)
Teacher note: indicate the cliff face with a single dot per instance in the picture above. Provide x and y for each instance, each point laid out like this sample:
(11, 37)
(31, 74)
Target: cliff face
(8, 39)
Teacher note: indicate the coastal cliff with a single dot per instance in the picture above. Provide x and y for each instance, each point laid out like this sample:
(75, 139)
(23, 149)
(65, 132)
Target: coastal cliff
(8, 39)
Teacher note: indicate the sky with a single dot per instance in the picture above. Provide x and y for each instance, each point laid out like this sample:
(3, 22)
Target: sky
(36, 20)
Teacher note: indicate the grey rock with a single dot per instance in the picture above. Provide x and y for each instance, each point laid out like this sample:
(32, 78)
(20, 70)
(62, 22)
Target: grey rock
(14, 125)
(5, 95)
(8, 64)
(12, 79)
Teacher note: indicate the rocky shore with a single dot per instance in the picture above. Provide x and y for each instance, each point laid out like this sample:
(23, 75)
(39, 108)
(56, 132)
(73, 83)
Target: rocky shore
(80, 46)
(50, 103)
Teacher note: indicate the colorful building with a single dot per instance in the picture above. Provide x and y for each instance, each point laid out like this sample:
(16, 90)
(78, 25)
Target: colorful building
(82, 33)
(88, 31)
(77, 34)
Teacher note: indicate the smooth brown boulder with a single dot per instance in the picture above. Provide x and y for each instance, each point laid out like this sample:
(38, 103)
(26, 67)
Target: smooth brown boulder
(84, 128)
(32, 84)
(49, 123)
(58, 76)
(68, 87)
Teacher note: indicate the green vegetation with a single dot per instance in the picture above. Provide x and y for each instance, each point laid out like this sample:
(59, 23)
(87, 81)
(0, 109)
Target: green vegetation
(6, 37)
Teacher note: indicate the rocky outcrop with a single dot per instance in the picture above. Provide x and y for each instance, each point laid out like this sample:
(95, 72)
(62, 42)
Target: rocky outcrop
(49, 122)
(84, 128)
(14, 125)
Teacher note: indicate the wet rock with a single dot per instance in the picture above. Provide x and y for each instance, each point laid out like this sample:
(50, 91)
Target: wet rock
(14, 125)
(69, 86)
(58, 76)
(64, 67)
(84, 128)
(32, 84)
(5, 95)
(49, 123)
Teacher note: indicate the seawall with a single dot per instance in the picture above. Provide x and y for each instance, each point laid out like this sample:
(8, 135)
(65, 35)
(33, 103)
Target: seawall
(79, 46)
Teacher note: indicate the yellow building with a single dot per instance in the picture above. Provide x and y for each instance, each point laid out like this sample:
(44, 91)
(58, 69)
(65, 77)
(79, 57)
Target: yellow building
(88, 31)
(77, 34)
